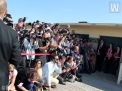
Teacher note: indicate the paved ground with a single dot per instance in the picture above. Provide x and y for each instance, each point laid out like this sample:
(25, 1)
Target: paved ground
(94, 82)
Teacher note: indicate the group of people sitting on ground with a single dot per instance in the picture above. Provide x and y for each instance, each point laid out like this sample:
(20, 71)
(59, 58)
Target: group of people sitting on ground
(58, 70)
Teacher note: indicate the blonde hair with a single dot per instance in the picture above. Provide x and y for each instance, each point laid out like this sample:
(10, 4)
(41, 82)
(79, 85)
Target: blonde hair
(11, 66)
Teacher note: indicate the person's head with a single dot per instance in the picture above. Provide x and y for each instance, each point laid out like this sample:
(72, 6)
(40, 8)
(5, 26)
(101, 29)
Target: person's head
(3, 8)
(32, 75)
(36, 26)
(101, 41)
(110, 45)
(44, 35)
(38, 64)
(76, 49)
(20, 23)
(70, 59)
(57, 37)
(62, 59)
(47, 34)
(20, 20)
(56, 59)
(11, 67)
(57, 26)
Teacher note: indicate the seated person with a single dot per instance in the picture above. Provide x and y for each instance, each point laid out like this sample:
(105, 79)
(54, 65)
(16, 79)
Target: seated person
(38, 69)
(71, 65)
(12, 77)
(28, 84)
(71, 69)
(48, 71)
(60, 78)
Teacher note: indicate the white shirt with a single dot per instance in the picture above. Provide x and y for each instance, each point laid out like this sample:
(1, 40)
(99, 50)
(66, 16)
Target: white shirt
(48, 70)
(29, 49)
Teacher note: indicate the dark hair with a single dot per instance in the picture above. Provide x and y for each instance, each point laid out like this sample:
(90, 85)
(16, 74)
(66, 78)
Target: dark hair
(37, 60)
(61, 57)
(32, 74)
(69, 58)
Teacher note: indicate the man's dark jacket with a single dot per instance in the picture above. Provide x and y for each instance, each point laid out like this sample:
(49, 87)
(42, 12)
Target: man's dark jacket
(9, 52)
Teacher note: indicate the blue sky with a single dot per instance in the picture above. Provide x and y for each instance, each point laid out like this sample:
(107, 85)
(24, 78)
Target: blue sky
(65, 11)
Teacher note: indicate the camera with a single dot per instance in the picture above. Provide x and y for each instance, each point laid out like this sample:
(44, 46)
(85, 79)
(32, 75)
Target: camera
(23, 33)
(8, 20)
(60, 52)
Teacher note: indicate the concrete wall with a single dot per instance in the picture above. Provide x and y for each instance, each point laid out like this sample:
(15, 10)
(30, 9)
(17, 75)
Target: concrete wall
(96, 30)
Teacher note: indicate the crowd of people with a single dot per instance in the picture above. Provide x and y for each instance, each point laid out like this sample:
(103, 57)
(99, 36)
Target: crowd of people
(50, 55)
(108, 58)
(53, 55)
(58, 60)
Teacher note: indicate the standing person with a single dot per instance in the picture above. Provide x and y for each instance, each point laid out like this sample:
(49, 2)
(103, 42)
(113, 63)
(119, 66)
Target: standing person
(116, 60)
(29, 48)
(9, 48)
(43, 44)
(108, 59)
(101, 52)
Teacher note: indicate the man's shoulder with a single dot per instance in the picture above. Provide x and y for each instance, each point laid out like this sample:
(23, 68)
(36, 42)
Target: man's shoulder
(48, 63)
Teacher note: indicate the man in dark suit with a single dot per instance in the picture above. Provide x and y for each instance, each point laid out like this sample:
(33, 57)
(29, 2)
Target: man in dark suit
(9, 48)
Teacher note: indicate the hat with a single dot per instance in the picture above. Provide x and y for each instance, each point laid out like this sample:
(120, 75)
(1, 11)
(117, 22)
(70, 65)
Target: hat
(20, 19)
(8, 15)
(39, 22)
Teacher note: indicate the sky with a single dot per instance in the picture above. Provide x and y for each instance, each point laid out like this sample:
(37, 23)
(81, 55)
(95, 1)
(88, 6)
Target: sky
(65, 11)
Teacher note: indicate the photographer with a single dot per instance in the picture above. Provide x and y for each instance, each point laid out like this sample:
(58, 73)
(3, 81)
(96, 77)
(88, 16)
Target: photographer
(29, 47)
(43, 43)
(36, 30)
(21, 24)
(8, 20)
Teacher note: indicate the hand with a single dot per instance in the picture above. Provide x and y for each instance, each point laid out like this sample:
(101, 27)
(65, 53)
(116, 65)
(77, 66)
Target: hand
(68, 69)
(49, 89)
(64, 70)
(59, 64)
(11, 88)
